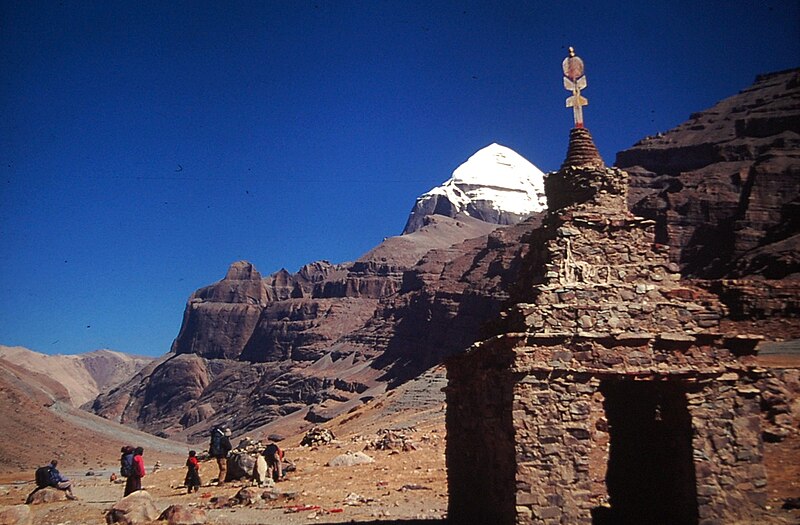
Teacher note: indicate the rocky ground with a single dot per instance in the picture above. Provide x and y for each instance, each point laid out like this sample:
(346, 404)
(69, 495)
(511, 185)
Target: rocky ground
(398, 485)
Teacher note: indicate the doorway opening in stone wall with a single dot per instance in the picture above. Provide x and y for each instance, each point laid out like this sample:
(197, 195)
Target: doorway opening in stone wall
(650, 476)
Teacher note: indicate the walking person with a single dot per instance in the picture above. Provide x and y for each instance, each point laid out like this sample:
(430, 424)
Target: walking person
(192, 480)
(219, 449)
(134, 481)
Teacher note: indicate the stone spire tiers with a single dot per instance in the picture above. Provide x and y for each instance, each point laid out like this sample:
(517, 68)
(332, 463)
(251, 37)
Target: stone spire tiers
(581, 151)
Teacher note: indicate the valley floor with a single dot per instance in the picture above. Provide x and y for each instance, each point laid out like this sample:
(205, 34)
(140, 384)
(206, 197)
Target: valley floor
(397, 486)
(402, 487)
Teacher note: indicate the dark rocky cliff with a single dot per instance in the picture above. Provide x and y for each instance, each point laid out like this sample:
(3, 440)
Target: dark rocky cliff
(251, 349)
(724, 186)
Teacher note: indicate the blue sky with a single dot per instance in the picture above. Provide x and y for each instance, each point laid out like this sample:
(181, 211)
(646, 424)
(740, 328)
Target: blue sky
(145, 146)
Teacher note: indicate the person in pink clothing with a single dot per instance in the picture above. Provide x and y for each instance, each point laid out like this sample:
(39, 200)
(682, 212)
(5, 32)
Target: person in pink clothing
(134, 481)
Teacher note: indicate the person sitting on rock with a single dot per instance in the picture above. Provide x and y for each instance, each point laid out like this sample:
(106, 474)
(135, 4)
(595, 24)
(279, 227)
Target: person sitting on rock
(60, 482)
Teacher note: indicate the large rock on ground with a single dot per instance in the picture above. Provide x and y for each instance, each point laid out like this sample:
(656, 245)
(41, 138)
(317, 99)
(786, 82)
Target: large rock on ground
(46, 495)
(135, 509)
(349, 459)
(240, 466)
(183, 515)
(248, 496)
(15, 515)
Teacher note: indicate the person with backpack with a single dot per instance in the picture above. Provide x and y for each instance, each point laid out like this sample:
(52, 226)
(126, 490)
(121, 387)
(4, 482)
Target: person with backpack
(49, 476)
(137, 472)
(274, 456)
(192, 480)
(126, 461)
(219, 448)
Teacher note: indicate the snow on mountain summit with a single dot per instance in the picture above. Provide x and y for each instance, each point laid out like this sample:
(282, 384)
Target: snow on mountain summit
(496, 185)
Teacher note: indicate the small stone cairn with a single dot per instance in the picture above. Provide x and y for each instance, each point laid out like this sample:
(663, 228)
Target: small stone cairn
(249, 446)
(394, 440)
(317, 436)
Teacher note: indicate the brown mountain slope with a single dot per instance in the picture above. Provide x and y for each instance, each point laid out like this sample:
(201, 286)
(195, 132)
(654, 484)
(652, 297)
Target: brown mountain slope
(726, 182)
(39, 424)
(83, 376)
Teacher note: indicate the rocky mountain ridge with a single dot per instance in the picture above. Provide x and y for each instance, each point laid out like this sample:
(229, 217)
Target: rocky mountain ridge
(252, 349)
(299, 348)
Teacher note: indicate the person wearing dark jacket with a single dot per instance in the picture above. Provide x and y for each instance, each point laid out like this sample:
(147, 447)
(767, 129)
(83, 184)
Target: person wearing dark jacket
(219, 449)
(274, 456)
(55, 480)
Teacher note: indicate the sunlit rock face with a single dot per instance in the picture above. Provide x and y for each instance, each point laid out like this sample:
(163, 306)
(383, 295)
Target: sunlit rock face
(496, 185)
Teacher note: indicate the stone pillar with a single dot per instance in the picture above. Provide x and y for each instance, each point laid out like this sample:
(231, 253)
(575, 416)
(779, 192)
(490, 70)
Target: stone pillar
(728, 449)
(480, 442)
(552, 416)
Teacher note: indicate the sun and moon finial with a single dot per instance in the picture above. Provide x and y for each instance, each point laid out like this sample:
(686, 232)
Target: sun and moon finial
(575, 81)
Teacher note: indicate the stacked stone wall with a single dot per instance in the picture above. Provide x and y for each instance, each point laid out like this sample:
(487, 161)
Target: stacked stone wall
(601, 314)
(562, 440)
(555, 418)
(728, 449)
(606, 275)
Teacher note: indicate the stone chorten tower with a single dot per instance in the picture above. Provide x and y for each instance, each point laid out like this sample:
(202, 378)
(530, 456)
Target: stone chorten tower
(609, 395)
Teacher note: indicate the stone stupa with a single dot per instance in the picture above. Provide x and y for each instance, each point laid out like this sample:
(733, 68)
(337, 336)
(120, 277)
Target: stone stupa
(608, 395)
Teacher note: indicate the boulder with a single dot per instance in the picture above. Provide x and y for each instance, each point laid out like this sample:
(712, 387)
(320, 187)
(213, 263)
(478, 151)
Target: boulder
(349, 459)
(15, 515)
(183, 515)
(247, 496)
(391, 440)
(46, 495)
(240, 466)
(134, 509)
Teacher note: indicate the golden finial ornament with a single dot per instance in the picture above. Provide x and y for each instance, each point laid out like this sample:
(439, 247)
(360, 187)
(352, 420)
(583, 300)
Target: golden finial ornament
(575, 81)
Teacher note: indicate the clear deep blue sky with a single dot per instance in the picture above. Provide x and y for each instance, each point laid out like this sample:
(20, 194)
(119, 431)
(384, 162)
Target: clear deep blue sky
(145, 146)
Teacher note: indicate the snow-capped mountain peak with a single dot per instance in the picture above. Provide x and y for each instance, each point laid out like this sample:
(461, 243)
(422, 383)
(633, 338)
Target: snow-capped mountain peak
(496, 185)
